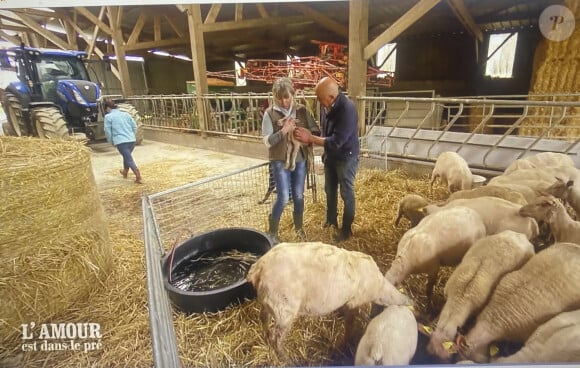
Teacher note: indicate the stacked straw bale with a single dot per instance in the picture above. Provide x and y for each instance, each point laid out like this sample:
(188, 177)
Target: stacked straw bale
(54, 241)
(556, 70)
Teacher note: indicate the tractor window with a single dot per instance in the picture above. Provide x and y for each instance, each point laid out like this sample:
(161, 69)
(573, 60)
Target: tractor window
(57, 68)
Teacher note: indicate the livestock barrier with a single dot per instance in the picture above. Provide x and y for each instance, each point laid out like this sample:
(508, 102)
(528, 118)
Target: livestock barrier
(489, 132)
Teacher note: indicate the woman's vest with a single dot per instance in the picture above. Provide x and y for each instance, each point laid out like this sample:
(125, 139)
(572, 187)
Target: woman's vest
(278, 151)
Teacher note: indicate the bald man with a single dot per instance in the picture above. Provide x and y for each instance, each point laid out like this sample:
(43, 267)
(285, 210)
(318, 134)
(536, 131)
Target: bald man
(339, 123)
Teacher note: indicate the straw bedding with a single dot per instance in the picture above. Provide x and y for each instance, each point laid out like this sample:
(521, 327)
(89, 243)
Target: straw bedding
(233, 336)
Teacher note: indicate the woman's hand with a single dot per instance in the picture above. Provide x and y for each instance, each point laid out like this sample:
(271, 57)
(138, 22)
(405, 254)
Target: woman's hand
(289, 125)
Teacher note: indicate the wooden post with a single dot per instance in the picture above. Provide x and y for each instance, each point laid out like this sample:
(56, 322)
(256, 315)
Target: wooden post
(113, 14)
(358, 36)
(198, 59)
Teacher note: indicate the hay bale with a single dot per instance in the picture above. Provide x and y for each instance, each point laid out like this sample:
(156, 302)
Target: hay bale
(54, 242)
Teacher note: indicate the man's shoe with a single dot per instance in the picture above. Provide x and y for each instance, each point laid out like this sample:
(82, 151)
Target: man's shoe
(342, 236)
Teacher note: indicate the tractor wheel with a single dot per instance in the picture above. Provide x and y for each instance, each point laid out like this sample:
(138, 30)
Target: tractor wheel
(131, 110)
(13, 110)
(49, 123)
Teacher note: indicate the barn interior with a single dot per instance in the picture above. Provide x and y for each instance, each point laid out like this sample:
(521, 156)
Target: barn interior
(479, 77)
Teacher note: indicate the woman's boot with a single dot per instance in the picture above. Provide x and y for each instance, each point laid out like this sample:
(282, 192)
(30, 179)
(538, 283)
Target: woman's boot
(124, 172)
(298, 229)
(138, 179)
(273, 225)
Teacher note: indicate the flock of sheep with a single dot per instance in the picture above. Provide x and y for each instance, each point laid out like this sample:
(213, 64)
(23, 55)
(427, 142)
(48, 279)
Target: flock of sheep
(502, 289)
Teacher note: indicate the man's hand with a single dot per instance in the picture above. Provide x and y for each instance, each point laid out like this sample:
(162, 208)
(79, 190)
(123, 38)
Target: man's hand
(303, 135)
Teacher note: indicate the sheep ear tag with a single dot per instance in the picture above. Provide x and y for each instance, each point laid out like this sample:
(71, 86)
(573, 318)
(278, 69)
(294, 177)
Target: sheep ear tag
(493, 350)
(427, 329)
(449, 346)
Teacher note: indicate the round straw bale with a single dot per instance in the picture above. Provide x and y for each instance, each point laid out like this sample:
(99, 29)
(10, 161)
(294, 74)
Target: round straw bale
(54, 241)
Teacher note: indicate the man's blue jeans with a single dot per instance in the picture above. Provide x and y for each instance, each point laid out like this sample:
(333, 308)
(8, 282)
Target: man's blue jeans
(286, 180)
(125, 149)
(340, 174)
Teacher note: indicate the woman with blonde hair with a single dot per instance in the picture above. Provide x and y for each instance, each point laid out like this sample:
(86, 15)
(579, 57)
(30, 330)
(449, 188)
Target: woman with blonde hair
(279, 120)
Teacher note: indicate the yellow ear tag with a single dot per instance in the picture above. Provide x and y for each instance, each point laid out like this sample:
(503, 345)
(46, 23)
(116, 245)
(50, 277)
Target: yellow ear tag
(428, 330)
(493, 350)
(411, 308)
(402, 290)
(448, 346)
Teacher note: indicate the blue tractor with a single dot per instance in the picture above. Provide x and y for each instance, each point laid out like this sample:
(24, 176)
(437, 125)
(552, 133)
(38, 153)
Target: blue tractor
(54, 96)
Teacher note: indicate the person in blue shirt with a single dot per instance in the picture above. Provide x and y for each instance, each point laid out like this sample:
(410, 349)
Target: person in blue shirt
(339, 121)
(120, 131)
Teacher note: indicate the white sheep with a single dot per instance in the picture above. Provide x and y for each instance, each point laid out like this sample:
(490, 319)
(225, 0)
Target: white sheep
(453, 171)
(438, 240)
(539, 160)
(497, 215)
(525, 188)
(550, 210)
(542, 175)
(490, 191)
(313, 279)
(473, 281)
(568, 192)
(410, 207)
(548, 284)
(556, 341)
(389, 339)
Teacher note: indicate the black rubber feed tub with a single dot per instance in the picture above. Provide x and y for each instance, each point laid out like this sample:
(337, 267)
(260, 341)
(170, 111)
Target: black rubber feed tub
(205, 246)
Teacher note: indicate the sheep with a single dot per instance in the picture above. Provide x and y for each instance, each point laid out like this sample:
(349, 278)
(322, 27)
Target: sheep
(544, 175)
(438, 240)
(554, 341)
(389, 339)
(548, 284)
(539, 160)
(313, 279)
(473, 281)
(453, 171)
(529, 193)
(292, 146)
(410, 207)
(566, 191)
(490, 191)
(550, 210)
(497, 215)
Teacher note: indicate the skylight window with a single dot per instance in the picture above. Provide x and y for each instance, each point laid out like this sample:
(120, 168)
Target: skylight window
(501, 55)
(387, 57)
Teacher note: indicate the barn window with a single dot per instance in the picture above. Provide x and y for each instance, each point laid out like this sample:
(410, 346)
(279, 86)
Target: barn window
(501, 55)
(387, 57)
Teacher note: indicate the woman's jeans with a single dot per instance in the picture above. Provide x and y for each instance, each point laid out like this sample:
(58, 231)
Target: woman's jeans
(340, 173)
(125, 149)
(286, 180)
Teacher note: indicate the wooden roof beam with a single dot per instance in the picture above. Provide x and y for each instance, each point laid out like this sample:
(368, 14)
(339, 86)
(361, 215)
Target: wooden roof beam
(213, 13)
(460, 10)
(137, 28)
(14, 39)
(239, 13)
(154, 44)
(174, 27)
(407, 20)
(321, 19)
(90, 16)
(157, 28)
(262, 10)
(93, 39)
(31, 23)
(36, 12)
(251, 23)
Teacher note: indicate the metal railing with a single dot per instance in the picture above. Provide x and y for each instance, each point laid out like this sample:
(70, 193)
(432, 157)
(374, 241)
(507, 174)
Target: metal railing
(172, 216)
(490, 132)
